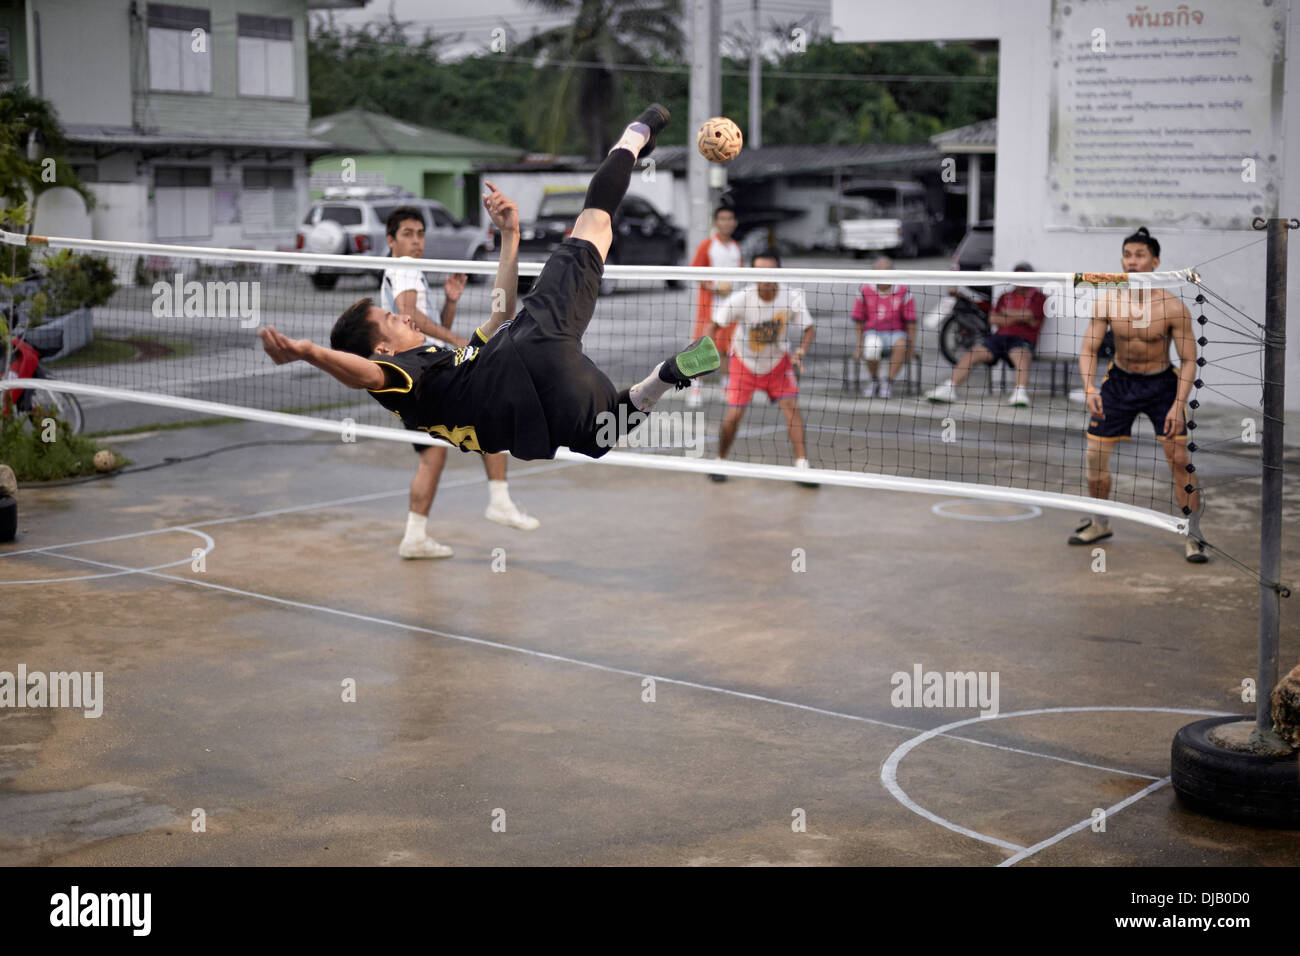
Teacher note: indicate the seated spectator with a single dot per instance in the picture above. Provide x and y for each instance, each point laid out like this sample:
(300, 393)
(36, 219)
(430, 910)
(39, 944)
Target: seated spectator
(1017, 319)
(886, 319)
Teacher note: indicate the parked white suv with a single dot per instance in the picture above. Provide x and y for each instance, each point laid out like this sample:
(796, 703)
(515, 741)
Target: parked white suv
(352, 221)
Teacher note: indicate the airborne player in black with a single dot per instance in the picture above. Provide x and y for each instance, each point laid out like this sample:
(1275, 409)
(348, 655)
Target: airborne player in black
(522, 385)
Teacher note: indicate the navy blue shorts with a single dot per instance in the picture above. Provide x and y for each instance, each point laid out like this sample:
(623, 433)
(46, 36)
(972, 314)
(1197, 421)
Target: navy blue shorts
(1126, 395)
(548, 332)
(1002, 345)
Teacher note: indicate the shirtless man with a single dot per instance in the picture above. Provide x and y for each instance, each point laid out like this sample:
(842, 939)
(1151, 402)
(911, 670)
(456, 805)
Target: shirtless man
(1140, 380)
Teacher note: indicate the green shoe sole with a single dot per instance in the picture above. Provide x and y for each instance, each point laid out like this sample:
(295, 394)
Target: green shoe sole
(699, 358)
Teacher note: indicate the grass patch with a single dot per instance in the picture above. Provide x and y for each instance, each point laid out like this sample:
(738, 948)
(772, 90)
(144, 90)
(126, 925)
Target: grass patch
(99, 351)
(103, 350)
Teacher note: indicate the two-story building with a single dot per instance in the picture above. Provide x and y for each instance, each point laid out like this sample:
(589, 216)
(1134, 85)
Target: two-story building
(188, 121)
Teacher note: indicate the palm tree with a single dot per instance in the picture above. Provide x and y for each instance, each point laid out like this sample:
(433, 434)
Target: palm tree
(606, 33)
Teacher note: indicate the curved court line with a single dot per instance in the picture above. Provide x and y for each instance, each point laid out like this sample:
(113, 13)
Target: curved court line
(1034, 512)
(208, 546)
(889, 773)
(710, 688)
(274, 512)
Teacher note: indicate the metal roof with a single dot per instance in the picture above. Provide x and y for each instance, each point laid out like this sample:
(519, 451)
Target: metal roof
(365, 131)
(981, 137)
(126, 137)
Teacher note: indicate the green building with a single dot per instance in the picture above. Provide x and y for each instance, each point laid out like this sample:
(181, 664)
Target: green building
(377, 150)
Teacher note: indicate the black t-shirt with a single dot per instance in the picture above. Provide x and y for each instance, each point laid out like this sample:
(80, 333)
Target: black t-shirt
(479, 398)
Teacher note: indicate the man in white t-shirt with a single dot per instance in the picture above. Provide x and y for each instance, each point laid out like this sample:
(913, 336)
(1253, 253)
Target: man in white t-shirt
(760, 354)
(406, 292)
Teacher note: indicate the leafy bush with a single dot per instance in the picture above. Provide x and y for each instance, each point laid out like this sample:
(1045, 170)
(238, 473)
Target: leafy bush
(71, 282)
(32, 459)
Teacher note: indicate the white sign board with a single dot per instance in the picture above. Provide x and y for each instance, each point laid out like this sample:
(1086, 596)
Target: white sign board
(1164, 114)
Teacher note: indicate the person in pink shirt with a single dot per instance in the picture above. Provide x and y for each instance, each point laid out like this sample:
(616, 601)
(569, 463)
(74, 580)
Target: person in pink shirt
(886, 320)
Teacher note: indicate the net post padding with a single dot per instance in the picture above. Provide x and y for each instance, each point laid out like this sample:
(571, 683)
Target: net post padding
(701, 466)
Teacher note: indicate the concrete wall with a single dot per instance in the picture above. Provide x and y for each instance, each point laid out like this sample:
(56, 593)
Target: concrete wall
(1023, 29)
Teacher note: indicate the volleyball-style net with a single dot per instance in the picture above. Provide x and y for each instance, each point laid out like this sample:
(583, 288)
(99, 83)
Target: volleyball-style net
(178, 341)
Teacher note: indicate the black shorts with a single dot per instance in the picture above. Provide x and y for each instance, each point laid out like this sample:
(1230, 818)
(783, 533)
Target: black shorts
(1003, 345)
(548, 335)
(1125, 395)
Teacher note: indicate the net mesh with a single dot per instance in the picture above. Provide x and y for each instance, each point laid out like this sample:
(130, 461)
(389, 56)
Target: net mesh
(184, 322)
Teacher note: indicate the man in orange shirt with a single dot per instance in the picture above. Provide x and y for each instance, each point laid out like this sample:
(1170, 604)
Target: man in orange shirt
(722, 252)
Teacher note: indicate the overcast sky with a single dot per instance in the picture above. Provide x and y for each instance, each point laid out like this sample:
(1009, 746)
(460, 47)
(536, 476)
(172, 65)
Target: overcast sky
(477, 19)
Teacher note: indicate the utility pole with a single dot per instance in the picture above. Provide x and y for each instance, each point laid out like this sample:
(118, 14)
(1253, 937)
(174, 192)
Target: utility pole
(705, 102)
(754, 135)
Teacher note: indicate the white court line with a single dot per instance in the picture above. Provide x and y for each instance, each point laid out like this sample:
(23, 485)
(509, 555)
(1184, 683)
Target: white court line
(1083, 824)
(400, 625)
(889, 772)
(208, 545)
(291, 509)
(895, 757)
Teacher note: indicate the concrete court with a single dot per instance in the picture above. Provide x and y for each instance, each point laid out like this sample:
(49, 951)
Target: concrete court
(223, 686)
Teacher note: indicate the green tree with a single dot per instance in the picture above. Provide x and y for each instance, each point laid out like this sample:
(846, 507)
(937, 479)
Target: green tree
(607, 34)
(30, 137)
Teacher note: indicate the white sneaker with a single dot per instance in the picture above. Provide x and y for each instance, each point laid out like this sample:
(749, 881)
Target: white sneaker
(694, 396)
(1019, 396)
(883, 391)
(424, 547)
(512, 517)
(870, 390)
(801, 464)
(943, 393)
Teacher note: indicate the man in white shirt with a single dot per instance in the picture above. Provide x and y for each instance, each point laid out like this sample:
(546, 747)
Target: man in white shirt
(761, 359)
(406, 292)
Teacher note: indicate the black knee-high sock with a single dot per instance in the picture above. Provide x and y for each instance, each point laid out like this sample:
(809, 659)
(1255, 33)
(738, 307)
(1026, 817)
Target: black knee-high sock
(610, 181)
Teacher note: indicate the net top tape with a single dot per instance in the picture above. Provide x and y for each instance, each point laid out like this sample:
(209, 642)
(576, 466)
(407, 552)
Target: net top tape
(916, 277)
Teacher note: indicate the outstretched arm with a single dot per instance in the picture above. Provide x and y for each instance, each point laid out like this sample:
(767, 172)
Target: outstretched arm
(352, 370)
(505, 216)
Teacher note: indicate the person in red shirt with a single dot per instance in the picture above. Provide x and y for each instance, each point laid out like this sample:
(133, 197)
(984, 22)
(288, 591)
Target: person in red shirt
(719, 251)
(1018, 317)
(886, 319)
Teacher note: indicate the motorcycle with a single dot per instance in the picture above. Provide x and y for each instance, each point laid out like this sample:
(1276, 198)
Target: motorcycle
(966, 323)
(25, 362)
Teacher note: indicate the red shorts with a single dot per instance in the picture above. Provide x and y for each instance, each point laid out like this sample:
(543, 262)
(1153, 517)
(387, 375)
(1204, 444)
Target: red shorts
(779, 383)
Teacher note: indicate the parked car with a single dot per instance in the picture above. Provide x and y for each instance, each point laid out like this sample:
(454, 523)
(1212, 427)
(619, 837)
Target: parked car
(891, 216)
(643, 236)
(352, 222)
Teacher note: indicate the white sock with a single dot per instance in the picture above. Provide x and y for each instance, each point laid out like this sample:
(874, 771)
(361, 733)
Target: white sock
(645, 394)
(417, 526)
(498, 495)
(633, 139)
(1101, 521)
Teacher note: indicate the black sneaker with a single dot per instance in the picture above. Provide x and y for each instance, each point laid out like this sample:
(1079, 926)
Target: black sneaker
(717, 477)
(655, 116)
(697, 359)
